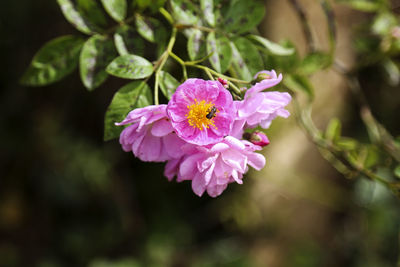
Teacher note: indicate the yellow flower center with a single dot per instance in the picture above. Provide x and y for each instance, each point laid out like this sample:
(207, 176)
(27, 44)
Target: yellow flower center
(201, 114)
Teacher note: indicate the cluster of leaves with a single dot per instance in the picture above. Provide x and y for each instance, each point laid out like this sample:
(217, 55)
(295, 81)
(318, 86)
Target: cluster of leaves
(220, 35)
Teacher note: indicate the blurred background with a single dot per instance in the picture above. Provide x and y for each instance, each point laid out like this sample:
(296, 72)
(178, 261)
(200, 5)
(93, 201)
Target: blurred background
(69, 199)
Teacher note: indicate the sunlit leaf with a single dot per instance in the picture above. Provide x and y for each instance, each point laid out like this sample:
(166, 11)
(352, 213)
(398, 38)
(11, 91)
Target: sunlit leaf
(272, 47)
(75, 17)
(246, 61)
(130, 67)
(196, 45)
(243, 16)
(221, 51)
(347, 143)
(55, 60)
(207, 7)
(136, 94)
(298, 83)
(116, 9)
(127, 41)
(92, 11)
(145, 27)
(168, 84)
(96, 54)
(184, 11)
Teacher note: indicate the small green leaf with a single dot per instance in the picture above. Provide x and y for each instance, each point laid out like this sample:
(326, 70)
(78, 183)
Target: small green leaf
(136, 94)
(243, 16)
(314, 62)
(168, 84)
(115, 8)
(363, 5)
(184, 12)
(333, 130)
(146, 27)
(221, 52)
(92, 11)
(130, 67)
(273, 48)
(246, 61)
(55, 60)
(196, 45)
(298, 83)
(127, 42)
(96, 54)
(397, 171)
(373, 156)
(207, 6)
(75, 17)
(347, 143)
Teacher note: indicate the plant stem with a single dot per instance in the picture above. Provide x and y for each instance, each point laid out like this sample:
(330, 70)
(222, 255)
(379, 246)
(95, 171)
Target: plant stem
(166, 15)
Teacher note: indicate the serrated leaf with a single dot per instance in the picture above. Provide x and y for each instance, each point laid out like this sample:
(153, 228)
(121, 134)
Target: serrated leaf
(92, 11)
(196, 45)
(96, 54)
(243, 16)
(115, 8)
(207, 6)
(333, 130)
(246, 61)
(127, 41)
(75, 17)
(136, 94)
(298, 83)
(130, 67)
(168, 84)
(184, 11)
(221, 51)
(55, 60)
(273, 48)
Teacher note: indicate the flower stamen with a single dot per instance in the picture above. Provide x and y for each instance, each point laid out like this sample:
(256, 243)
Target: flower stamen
(198, 115)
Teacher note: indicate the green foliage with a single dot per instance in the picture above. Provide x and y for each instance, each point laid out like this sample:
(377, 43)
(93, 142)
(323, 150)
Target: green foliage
(314, 62)
(246, 60)
(130, 67)
(116, 9)
(333, 130)
(97, 53)
(300, 84)
(127, 42)
(55, 60)
(91, 10)
(271, 47)
(168, 84)
(196, 45)
(136, 94)
(221, 51)
(75, 17)
(242, 16)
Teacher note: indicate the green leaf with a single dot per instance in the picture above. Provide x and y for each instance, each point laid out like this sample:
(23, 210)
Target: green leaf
(184, 12)
(221, 52)
(347, 143)
(273, 48)
(55, 60)
(207, 7)
(196, 45)
(96, 54)
(116, 9)
(246, 61)
(136, 94)
(364, 5)
(298, 83)
(333, 130)
(147, 27)
(127, 42)
(243, 16)
(153, 5)
(314, 62)
(373, 156)
(75, 17)
(168, 84)
(384, 23)
(397, 171)
(92, 11)
(130, 67)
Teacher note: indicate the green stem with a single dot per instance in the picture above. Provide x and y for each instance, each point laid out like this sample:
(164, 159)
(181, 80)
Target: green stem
(166, 15)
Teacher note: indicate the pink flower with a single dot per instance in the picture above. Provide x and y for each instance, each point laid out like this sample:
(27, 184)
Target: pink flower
(150, 137)
(201, 112)
(260, 108)
(257, 138)
(211, 168)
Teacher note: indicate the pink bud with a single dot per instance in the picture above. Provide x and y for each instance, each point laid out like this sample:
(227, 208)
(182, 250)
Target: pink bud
(257, 138)
(223, 82)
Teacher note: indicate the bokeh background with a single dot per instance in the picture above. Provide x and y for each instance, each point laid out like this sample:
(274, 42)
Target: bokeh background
(69, 199)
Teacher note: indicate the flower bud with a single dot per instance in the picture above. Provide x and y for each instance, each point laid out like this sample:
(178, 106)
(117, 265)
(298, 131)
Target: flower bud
(223, 82)
(261, 76)
(257, 138)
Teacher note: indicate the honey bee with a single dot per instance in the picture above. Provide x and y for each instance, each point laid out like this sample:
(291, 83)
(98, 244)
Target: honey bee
(211, 112)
